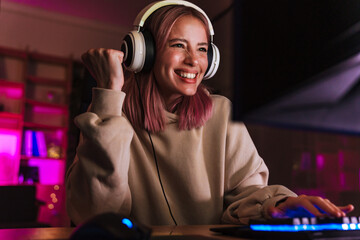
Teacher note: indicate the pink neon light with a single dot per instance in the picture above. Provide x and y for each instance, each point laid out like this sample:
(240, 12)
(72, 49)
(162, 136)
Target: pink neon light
(59, 134)
(51, 171)
(47, 110)
(13, 92)
(9, 141)
(320, 162)
(9, 156)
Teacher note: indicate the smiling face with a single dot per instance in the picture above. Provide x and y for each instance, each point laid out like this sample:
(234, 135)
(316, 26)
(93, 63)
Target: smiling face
(181, 64)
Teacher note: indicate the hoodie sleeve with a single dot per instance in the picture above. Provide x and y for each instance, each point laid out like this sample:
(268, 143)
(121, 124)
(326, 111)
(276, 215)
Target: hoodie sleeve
(247, 194)
(97, 181)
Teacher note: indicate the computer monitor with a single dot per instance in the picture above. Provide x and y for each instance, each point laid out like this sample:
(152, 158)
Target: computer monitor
(286, 47)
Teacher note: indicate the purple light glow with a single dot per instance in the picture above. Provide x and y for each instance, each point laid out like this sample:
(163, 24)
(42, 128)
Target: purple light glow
(9, 142)
(320, 161)
(59, 134)
(47, 110)
(9, 156)
(13, 92)
(51, 171)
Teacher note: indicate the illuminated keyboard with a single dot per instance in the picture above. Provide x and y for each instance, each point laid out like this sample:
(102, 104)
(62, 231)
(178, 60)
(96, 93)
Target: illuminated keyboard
(297, 228)
(307, 224)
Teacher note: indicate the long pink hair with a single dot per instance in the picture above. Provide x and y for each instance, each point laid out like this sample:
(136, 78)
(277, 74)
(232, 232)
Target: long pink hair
(193, 111)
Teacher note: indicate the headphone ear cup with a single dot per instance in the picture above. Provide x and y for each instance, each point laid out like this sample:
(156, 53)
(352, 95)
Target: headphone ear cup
(127, 47)
(139, 51)
(150, 51)
(213, 61)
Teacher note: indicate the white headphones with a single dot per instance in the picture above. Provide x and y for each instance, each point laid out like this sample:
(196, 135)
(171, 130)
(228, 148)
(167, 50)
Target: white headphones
(139, 46)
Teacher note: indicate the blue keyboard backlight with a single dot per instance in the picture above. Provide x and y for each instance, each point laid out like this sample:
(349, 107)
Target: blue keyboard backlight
(305, 227)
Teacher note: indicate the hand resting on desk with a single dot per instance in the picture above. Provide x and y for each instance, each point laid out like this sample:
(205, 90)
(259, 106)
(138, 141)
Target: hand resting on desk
(308, 206)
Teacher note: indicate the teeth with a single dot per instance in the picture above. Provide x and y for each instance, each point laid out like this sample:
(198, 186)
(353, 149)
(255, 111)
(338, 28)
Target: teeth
(187, 75)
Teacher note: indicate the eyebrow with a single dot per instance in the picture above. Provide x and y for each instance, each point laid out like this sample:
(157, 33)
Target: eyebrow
(185, 41)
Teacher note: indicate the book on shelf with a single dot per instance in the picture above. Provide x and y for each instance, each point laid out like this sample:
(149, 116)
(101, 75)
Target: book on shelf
(34, 144)
(41, 143)
(27, 145)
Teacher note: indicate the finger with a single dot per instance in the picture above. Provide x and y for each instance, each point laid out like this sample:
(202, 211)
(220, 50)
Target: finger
(86, 63)
(326, 207)
(348, 208)
(97, 64)
(115, 55)
(310, 207)
(88, 59)
(275, 212)
(335, 209)
(116, 70)
(85, 59)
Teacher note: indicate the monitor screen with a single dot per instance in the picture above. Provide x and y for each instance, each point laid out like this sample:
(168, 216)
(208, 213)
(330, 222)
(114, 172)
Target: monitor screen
(300, 52)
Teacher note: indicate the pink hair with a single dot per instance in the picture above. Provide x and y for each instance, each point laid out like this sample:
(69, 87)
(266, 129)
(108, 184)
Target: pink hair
(193, 111)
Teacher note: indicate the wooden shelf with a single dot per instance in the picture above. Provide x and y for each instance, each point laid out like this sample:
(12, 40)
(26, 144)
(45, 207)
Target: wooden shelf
(44, 126)
(13, 53)
(26, 158)
(6, 83)
(49, 59)
(11, 115)
(47, 81)
(45, 104)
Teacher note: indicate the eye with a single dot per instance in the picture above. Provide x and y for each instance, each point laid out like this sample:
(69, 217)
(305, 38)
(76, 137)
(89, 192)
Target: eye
(203, 49)
(178, 45)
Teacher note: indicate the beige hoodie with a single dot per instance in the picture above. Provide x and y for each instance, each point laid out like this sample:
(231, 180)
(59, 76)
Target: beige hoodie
(211, 175)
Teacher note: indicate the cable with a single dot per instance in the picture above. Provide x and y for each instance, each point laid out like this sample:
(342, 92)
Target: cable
(158, 172)
(155, 158)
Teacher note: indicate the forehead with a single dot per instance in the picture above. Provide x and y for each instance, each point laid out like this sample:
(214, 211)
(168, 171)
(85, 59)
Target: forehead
(189, 26)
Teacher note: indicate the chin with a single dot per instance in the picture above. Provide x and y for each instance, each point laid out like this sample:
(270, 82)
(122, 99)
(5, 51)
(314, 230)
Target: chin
(189, 93)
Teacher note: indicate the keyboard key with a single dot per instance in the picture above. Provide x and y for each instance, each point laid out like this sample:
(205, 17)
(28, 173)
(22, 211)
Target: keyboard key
(354, 220)
(296, 221)
(305, 220)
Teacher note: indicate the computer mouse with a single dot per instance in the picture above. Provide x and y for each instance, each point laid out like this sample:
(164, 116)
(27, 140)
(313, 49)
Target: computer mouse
(111, 226)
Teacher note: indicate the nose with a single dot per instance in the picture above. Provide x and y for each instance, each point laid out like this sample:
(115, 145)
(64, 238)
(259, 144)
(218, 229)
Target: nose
(191, 58)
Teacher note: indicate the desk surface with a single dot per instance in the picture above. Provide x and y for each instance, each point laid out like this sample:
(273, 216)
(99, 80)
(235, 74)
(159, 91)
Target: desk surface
(200, 232)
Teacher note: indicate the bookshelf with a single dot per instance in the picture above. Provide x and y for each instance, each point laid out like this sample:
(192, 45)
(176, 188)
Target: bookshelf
(46, 113)
(34, 122)
(12, 97)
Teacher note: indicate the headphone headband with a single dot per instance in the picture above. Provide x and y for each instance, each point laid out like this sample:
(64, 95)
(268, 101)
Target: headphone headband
(149, 9)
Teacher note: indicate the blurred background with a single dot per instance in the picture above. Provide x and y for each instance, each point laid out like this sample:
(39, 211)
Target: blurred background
(289, 66)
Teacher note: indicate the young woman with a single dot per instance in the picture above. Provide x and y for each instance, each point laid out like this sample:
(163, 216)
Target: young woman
(158, 147)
